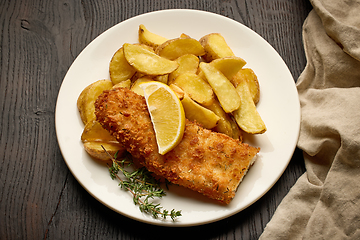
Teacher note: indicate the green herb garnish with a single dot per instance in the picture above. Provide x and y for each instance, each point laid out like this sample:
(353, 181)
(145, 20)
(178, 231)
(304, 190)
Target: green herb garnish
(142, 185)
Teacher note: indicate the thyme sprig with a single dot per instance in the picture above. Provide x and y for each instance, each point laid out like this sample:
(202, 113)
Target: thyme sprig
(142, 185)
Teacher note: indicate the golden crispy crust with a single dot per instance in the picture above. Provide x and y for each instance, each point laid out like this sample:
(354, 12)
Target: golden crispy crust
(207, 162)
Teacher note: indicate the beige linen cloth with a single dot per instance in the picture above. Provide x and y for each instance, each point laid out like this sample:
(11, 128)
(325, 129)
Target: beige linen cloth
(325, 202)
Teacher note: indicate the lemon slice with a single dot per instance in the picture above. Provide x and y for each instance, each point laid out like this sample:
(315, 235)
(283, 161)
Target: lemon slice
(167, 114)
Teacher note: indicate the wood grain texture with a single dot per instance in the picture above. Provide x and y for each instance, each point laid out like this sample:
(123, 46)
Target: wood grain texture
(39, 197)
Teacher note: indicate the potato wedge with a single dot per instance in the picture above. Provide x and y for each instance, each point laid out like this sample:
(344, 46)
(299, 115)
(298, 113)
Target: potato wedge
(226, 124)
(149, 38)
(197, 88)
(222, 87)
(215, 47)
(237, 133)
(125, 84)
(223, 125)
(178, 91)
(119, 69)
(250, 77)
(174, 48)
(195, 112)
(87, 97)
(184, 35)
(136, 76)
(95, 150)
(247, 116)
(94, 132)
(162, 78)
(229, 66)
(136, 85)
(187, 63)
(146, 61)
(145, 46)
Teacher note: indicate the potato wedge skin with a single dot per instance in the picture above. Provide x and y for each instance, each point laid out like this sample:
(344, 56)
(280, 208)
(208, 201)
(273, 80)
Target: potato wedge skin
(215, 47)
(247, 116)
(94, 136)
(95, 150)
(174, 48)
(222, 87)
(248, 75)
(87, 97)
(149, 38)
(195, 112)
(119, 69)
(94, 132)
(197, 88)
(147, 62)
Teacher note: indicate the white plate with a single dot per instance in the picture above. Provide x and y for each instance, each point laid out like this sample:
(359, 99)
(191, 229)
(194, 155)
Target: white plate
(279, 107)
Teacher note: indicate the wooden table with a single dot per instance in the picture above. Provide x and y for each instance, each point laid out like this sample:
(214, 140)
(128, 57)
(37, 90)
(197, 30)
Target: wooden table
(39, 40)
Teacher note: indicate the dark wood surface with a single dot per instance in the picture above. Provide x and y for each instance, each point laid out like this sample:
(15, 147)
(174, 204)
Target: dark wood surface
(39, 197)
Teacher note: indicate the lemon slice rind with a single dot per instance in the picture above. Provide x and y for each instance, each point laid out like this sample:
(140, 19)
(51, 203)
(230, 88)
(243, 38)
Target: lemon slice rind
(166, 113)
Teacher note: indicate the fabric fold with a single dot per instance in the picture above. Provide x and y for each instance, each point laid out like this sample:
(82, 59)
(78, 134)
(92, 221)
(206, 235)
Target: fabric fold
(325, 201)
(341, 22)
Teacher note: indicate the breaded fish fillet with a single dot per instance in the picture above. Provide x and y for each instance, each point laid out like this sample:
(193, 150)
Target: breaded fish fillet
(210, 163)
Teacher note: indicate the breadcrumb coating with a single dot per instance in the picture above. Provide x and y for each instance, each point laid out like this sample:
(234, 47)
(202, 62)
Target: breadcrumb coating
(208, 162)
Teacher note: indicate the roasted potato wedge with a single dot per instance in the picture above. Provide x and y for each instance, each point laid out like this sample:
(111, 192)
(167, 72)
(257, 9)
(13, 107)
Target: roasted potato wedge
(247, 116)
(95, 150)
(136, 76)
(125, 84)
(184, 35)
(174, 48)
(136, 85)
(145, 46)
(197, 88)
(250, 77)
(148, 62)
(222, 87)
(178, 91)
(229, 66)
(149, 38)
(162, 78)
(236, 130)
(87, 97)
(187, 63)
(94, 132)
(195, 112)
(215, 47)
(223, 125)
(226, 124)
(119, 69)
